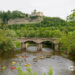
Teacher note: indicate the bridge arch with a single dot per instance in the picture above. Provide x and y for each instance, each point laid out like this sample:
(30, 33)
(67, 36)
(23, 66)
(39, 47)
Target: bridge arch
(26, 43)
(30, 41)
(49, 44)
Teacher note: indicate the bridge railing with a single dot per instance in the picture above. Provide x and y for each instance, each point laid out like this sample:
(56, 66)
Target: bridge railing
(36, 38)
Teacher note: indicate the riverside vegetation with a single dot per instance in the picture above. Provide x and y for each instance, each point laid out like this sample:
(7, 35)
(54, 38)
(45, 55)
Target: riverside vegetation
(29, 71)
(50, 27)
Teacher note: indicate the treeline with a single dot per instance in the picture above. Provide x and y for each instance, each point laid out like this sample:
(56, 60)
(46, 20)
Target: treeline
(53, 21)
(5, 16)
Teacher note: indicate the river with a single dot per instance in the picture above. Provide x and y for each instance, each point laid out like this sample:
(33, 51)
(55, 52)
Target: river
(61, 64)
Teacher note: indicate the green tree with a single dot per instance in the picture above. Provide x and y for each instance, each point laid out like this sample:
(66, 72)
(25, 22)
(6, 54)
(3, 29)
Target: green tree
(71, 17)
(67, 42)
(6, 41)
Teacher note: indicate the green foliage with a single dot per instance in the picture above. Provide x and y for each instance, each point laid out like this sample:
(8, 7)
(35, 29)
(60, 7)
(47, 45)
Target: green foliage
(18, 14)
(34, 31)
(67, 42)
(6, 41)
(53, 21)
(17, 44)
(50, 71)
(35, 73)
(28, 71)
(5, 16)
(34, 17)
(71, 17)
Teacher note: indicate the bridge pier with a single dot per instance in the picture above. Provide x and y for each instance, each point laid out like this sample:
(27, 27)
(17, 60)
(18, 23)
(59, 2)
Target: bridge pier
(39, 47)
(56, 47)
(23, 46)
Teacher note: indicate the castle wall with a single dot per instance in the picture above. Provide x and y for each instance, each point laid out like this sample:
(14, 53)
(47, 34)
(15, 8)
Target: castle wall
(24, 20)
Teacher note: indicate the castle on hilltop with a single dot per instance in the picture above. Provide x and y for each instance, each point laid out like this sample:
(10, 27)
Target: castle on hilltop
(34, 17)
(35, 13)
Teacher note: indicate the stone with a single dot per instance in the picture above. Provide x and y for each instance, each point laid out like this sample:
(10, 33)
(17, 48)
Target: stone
(35, 59)
(48, 56)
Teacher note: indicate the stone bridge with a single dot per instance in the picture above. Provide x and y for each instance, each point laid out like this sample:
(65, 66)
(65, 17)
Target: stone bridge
(39, 42)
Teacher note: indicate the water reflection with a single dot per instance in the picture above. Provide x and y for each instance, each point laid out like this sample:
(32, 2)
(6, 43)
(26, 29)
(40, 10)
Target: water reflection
(34, 49)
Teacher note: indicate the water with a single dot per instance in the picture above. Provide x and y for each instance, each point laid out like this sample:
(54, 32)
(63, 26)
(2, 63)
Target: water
(60, 64)
(34, 49)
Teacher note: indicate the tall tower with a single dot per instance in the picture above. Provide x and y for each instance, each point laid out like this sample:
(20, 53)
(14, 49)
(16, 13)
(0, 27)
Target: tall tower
(35, 11)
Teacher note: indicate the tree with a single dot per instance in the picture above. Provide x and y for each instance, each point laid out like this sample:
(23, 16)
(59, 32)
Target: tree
(18, 14)
(6, 41)
(67, 42)
(71, 17)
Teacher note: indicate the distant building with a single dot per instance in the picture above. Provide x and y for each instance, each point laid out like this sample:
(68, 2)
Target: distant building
(35, 13)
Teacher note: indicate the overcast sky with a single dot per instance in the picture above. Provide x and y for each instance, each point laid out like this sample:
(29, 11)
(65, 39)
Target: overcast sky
(53, 8)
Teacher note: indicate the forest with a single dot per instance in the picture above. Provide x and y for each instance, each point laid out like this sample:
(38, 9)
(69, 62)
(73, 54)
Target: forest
(50, 27)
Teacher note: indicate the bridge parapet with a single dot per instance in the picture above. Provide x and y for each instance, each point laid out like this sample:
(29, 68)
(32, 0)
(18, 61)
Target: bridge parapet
(38, 40)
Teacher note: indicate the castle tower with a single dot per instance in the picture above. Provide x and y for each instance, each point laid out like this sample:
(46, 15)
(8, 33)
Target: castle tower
(35, 13)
